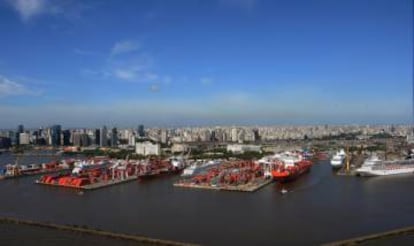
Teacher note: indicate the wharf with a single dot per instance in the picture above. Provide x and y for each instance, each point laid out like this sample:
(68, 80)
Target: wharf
(97, 185)
(249, 187)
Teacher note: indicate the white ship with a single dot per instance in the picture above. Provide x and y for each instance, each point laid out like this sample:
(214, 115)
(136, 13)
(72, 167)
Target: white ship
(338, 159)
(375, 167)
(199, 166)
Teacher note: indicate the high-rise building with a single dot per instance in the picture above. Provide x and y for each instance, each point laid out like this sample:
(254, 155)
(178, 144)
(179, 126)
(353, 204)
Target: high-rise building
(256, 134)
(55, 132)
(5, 142)
(141, 132)
(213, 136)
(131, 139)
(85, 140)
(234, 135)
(97, 137)
(20, 129)
(77, 139)
(164, 136)
(24, 138)
(103, 141)
(66, 137)
(114, 137)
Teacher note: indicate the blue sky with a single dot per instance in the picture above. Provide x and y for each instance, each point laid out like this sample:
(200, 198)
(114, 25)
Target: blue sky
(89, 63)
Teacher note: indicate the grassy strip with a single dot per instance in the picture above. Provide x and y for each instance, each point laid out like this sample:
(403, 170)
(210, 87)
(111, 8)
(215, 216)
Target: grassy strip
(371, 237)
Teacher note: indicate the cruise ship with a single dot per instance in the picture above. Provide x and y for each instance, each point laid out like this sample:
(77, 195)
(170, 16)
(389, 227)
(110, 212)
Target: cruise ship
(373, 166)
(338, 159)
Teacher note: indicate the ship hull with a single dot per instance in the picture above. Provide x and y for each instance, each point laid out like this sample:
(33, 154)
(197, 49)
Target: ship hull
(288, 177)
(159, 173)
(372, 173)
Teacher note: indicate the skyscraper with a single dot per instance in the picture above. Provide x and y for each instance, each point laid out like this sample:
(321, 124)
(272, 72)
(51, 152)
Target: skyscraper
(141, 132)
(55, 132)
(20, 129)
(97, 137)
(103, 140)
(66, 137)
(114, 137)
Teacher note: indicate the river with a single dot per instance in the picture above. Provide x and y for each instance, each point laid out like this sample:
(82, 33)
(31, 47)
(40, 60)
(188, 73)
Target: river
(321, 207)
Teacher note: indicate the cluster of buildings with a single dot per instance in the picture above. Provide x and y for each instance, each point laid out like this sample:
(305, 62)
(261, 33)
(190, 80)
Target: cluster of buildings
(248, 134)
(56, 136)
(238, 138)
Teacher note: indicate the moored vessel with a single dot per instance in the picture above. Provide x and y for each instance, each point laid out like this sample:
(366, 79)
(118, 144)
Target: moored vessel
(290, 167)
(338, 159)
(373, 166)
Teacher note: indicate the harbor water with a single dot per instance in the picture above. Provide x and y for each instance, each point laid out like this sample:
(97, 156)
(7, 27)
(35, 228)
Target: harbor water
(320, 207)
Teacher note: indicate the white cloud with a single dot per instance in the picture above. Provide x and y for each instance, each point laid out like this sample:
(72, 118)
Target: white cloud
(155, 88)
(125, 74)
(122, 47)
(12, 88)
(206, 81)
(29, 8)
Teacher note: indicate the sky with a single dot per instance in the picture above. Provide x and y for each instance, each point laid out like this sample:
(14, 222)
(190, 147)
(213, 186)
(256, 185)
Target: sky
(196, 62)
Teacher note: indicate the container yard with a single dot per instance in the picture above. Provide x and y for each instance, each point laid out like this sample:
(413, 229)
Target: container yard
(101, 172)
(246, 176)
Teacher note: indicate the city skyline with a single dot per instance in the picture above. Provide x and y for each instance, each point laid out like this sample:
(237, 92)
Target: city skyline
(221, 62)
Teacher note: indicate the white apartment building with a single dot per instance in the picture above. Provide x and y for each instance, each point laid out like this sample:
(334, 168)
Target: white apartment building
(241, 148)
(147, 148)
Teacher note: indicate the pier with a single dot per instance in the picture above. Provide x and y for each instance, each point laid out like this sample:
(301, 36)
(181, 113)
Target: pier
(94, 186)
(249, 187)
(245, 176)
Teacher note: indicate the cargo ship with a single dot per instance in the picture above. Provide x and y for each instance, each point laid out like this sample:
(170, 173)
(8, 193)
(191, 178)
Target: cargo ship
(153, 168)
(290, 167)
(16, 171)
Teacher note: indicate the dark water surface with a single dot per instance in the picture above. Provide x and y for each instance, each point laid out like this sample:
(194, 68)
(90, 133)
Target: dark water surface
(22, 235)
(321, 207)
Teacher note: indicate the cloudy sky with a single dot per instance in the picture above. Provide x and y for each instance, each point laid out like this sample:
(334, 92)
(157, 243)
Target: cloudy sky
(186, 62)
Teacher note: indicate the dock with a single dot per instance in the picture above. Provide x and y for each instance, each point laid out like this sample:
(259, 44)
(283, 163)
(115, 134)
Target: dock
(94, 186)
(249, 187)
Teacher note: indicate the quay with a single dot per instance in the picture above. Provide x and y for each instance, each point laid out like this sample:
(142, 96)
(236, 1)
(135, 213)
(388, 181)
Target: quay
(101, 173)
(94, 186)
(245, 176)
(92, 231)
(249, 187)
